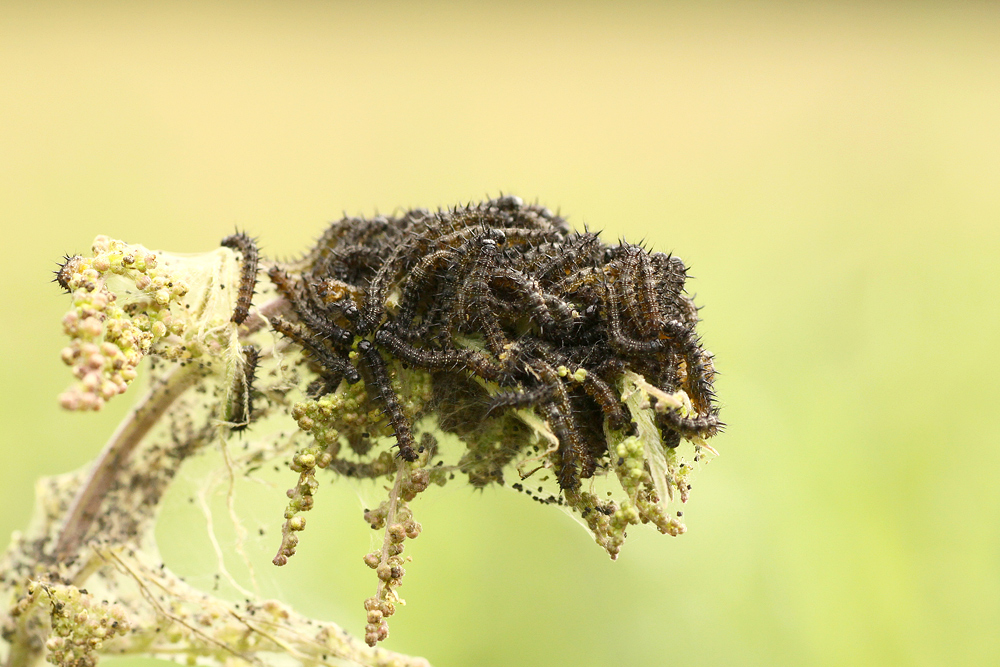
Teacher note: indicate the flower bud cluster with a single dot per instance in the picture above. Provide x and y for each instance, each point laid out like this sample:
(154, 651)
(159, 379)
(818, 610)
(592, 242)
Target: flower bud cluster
(80, 624)
(351, 413)
(609, 520)
(642, 503)
(606, 519)
(108, 339)
(305, 462)
(388, 565)
(395, 516)
(326, 417)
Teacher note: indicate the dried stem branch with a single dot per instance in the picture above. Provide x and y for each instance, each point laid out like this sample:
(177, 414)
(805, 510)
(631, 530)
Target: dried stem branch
(116, 452)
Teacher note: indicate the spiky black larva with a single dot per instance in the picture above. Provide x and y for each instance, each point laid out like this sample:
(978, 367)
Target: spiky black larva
(506, 400)
(242, 390)
(247, 247)
(62, 273)
(474, 362)
(393, 410)
(334, 366)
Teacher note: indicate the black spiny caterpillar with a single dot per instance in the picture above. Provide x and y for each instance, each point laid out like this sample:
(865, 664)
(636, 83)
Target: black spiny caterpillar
(240, 412)
(248, 274)
(501, 294)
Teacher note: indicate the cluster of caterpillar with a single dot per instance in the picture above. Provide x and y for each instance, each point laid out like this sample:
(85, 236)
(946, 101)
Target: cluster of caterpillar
(504, 295)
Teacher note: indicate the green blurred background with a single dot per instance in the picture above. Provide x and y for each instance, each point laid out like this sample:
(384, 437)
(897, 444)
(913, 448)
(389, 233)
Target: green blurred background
(831, 173)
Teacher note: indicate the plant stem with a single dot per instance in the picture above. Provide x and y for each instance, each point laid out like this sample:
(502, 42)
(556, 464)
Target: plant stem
(116, 452)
